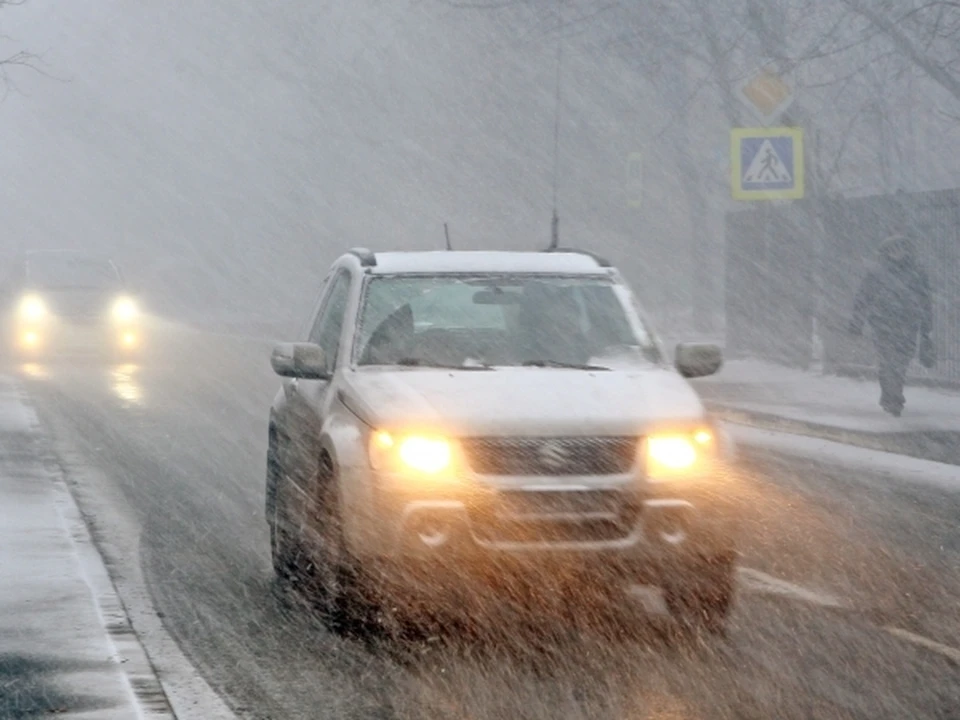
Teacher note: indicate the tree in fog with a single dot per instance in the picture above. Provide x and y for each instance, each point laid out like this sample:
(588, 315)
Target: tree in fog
(17, 58)
(841, 53)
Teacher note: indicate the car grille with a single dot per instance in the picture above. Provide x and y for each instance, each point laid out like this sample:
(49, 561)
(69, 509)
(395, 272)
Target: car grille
(83, 318)
(80, 309)
(551, 456)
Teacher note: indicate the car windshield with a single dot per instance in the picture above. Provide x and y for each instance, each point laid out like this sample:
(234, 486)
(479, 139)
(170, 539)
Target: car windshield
(71, 271)
(457, 320)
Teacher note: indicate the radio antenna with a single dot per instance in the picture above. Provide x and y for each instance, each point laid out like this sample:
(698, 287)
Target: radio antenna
(555, 223)
(446, 232)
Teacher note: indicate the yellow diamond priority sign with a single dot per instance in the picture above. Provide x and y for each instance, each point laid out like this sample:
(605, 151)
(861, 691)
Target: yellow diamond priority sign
(766, 94)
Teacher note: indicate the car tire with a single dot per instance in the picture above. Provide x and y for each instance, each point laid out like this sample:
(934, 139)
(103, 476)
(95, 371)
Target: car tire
(699, 594)
(336, 581)
(281, 555)
(290, 564)
(282, 550)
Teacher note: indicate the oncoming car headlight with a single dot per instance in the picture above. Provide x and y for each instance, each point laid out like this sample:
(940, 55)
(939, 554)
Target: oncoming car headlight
(680, 454)
(125, 310)
(32, 308)
(426, 454)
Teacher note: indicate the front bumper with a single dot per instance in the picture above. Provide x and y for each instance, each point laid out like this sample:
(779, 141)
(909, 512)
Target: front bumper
(652, 528)
(58, 335)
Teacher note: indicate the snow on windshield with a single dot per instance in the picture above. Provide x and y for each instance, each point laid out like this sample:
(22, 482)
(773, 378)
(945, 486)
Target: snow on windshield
(496, 320)
(67, 271)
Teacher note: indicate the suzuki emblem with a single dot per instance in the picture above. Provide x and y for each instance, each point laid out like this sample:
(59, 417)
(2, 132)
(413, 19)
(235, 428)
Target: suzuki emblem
(553, 455)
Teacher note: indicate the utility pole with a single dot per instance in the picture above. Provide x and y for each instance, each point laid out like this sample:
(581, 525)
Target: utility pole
(555, 219)
(701, 247)
(769, 25)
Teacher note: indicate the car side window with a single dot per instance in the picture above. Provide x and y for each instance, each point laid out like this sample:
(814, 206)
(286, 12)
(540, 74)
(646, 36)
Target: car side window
(329, 323)
(316, 310)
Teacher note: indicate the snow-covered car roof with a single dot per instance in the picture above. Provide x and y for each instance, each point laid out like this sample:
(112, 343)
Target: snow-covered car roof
(479, 261)
(60, 253)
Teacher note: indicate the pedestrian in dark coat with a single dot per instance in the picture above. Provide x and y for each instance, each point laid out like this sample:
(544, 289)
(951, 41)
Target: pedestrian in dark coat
(895, 300)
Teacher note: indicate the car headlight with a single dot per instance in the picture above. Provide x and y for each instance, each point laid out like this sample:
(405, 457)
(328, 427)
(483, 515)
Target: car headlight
(125, 310)
(425, 454)
(679, 454)
(33, 308)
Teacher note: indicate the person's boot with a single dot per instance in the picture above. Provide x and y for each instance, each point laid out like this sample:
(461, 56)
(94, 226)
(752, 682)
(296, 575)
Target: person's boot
(891, 408)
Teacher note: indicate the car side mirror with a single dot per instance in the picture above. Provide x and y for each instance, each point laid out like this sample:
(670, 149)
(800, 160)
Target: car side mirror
(695, 360)
(300, 360)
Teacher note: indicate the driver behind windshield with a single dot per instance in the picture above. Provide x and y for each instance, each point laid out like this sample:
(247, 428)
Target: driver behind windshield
(551, 326)
(449, 321)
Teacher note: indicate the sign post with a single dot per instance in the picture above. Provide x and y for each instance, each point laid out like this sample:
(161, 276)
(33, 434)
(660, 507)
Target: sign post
(634, 186)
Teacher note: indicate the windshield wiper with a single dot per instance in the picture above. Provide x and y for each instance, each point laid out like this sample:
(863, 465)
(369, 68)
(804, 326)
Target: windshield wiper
(419, 362)
(559, 364)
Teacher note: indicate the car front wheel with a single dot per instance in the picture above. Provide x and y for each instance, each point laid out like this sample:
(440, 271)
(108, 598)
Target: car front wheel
(281, 549)
(283, 553)
(336, 582)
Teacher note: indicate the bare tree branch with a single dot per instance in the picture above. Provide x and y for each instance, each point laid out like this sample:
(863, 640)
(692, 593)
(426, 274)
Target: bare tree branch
(904, 44)
(21, 58)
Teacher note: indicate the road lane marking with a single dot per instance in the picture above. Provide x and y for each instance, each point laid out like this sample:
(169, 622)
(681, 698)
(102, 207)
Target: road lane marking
(924, 642)
(752, 580)
(651, 599)
(762, 583)
(146, 693)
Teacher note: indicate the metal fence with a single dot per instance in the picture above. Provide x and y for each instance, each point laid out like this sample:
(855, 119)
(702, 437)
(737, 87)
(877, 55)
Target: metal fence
(792, 272)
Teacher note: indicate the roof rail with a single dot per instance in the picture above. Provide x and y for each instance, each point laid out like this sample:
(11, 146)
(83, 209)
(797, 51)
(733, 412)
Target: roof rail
(367, 257)
(601, 261)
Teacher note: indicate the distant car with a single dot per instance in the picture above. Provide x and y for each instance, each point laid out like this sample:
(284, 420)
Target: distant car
(461, 420)
(63, 300)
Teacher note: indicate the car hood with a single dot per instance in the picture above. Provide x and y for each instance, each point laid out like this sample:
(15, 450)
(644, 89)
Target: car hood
(76, 302)
(522, 401)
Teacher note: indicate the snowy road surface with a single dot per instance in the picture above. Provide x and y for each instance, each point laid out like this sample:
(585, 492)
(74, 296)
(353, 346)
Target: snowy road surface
(848, 609)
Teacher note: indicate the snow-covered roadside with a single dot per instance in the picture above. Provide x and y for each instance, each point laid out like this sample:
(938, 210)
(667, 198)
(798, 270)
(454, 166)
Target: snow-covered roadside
(68, 647)
(902, 468)
(67, 644)
(827, 401)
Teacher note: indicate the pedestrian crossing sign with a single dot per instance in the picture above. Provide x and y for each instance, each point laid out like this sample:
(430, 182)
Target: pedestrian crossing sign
(766, 163)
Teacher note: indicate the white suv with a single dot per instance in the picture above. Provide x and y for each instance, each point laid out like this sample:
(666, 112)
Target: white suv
(459, 420)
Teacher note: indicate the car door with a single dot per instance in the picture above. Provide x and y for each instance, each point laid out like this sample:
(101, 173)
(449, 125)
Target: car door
(308, 400)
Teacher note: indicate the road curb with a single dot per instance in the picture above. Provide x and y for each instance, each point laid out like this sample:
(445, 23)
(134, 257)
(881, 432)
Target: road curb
(127, 659)
(109, 533)
(937, 446)
(128, 652)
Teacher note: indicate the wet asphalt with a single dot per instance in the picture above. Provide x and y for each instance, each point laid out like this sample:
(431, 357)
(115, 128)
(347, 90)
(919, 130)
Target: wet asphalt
(180, 437)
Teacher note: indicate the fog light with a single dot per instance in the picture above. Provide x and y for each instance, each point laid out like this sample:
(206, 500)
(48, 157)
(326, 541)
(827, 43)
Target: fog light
(128, 339)
(673, 526)
(432, 530)
(668, 521)
(30, 339)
